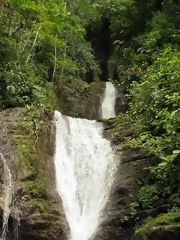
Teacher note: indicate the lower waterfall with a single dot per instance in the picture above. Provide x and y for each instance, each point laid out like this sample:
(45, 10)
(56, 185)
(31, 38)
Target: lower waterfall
(85, 169)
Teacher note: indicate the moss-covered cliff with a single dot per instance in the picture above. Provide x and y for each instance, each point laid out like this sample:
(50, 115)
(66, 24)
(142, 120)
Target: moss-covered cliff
(31, 162)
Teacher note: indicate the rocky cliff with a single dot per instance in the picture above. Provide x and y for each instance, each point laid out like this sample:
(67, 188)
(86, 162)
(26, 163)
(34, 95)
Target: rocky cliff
(27, 143)
(123, 217)
(28, 149)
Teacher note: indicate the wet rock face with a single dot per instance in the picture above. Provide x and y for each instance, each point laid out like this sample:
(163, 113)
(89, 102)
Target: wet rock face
(118, 222)
(40, 218)
(73, 102)
(121, 217)
(130, 175)
(8, 120)
(43, 218)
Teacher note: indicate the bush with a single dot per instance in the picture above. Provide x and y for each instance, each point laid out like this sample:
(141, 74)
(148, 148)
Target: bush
(165, 174)
(148, 196)
(155, 99)
(17, 84)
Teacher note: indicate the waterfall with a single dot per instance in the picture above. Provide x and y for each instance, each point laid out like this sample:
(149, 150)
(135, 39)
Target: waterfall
(17, 222)
(8, 196)
(85, 169)
(108, 101)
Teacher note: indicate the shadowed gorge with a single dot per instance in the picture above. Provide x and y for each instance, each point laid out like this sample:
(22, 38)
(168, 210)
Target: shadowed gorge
(100, 38)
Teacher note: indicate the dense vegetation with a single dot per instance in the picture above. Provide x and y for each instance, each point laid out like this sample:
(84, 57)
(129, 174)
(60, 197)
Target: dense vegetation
(42, 43)
(145, 63)
(134, 43)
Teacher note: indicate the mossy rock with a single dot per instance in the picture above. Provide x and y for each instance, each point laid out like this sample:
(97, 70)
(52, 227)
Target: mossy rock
(36, 189)
(31, 166)
(80, 99)
(163, 227)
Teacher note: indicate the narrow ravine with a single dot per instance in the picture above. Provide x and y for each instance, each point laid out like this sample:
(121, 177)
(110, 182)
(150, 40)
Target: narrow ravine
(85, 166)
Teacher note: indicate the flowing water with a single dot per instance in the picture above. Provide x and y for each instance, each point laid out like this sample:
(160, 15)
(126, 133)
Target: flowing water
(108, 101)
(17, 222)
(8, 196)
(85, 166)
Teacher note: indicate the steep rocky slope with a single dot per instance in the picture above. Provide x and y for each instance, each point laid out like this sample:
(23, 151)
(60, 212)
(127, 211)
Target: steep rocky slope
(124, 218)
(35, 200)
(119, 220)
(27, 145)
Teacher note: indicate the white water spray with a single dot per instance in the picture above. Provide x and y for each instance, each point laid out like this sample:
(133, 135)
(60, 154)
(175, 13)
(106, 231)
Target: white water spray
(85, 168)
(8, 196)
(109, 101)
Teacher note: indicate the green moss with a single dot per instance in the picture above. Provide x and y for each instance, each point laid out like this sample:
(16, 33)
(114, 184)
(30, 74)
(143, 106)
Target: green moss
(80, 86)
(119, 123)
(124, 129)
(163, 219)
(97, 87)
(31, 165)
(43, 206)
(121, 128)
(167, 220)
(145, 141)
(36, 189)
(24, 142)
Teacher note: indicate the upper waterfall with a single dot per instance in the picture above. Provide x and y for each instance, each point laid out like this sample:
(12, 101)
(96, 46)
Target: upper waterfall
(108, 101)
(85, 168)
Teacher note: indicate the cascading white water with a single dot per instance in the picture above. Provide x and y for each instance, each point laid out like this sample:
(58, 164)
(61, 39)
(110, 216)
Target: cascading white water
(108, 101)
(85, 169)
(8, 196)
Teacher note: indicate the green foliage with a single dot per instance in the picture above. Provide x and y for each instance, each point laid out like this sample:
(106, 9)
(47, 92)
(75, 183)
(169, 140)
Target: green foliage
(124, 219)
(41, 42)
(17, 83)
(155, 99)
(165, 174)
(126, 11)
(43, 48)
(148, 196)
(160, 30)
(134, 208)
(147, 67)
(147, 141)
